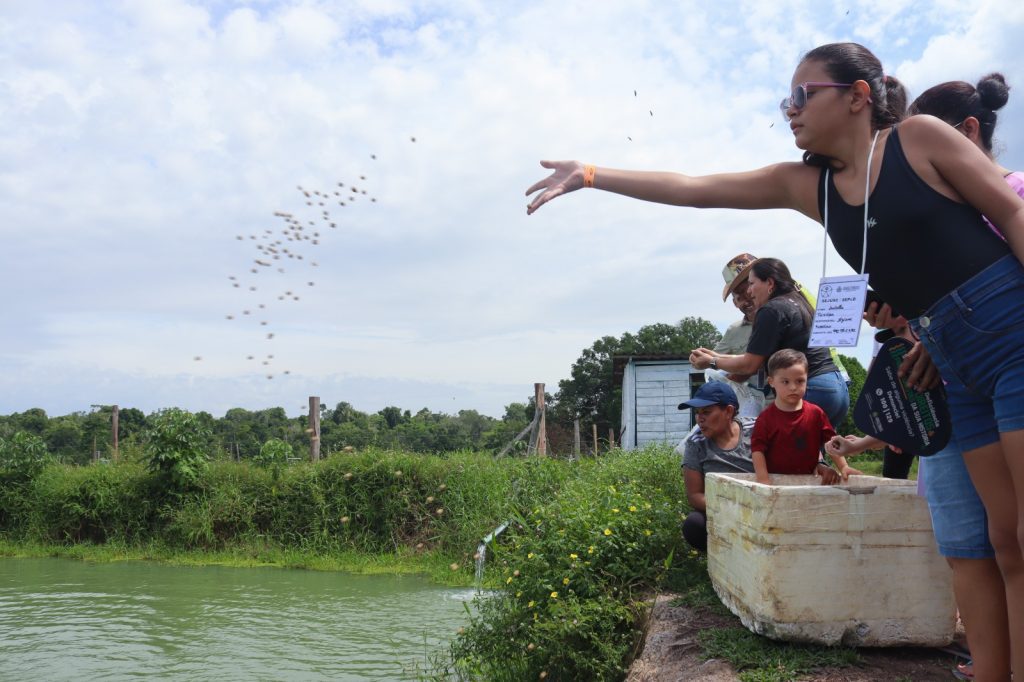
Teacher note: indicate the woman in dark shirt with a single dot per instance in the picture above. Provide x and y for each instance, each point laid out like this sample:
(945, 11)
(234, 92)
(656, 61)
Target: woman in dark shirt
(782, 319)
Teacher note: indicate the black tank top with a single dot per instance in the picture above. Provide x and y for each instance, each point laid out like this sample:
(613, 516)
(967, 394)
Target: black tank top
(921, 244)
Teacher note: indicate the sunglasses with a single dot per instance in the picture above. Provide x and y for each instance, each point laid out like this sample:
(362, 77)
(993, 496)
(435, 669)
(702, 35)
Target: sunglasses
(798, 99)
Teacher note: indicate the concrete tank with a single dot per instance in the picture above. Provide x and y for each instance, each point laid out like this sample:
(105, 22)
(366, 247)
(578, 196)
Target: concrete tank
(854, 564)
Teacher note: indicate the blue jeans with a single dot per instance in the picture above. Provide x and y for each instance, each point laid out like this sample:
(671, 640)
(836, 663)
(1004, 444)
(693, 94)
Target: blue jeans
(975, 335)
(830, 392)
(958, 516)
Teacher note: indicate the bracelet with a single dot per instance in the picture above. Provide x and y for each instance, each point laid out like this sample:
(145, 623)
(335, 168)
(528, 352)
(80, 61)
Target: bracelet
(589, 172)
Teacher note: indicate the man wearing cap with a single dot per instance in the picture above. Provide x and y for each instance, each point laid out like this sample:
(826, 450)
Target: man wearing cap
(720, 443)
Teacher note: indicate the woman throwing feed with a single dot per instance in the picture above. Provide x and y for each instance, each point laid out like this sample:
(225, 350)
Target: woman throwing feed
(888, 192)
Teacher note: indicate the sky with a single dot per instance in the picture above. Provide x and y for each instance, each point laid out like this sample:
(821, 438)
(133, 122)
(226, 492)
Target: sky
(140, 139)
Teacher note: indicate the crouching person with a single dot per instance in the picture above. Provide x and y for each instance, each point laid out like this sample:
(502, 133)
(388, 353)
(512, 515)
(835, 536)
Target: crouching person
(719, 444)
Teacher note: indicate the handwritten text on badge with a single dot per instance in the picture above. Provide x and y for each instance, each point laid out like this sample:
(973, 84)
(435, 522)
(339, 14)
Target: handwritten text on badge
(840, 308)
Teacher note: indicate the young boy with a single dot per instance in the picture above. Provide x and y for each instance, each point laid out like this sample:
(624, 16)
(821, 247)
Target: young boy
(789, 434)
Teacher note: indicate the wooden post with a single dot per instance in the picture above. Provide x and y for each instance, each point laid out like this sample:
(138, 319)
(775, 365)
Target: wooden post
(542, 433)
(594, 428)
(114, 416)
(576, 437)
(314, 428)
(611, 437)
(95, 452)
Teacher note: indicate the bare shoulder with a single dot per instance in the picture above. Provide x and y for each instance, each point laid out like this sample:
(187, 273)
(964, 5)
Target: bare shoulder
(940, 155)
(925, 129)
(801, 182)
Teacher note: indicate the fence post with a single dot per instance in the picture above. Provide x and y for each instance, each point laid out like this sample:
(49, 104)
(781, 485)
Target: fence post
(576, 437)
(611, 437)
(594, 429)
(114, 419)
(542, 433)
(314, 428)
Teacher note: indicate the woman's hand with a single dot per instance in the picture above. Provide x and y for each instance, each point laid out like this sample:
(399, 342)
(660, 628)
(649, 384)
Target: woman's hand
(567, 177)
(918, 369)
(883, 318)
(700, 358)
(842, 446)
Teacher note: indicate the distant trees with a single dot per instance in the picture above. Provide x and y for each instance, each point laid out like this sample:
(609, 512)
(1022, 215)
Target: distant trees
(589, 394)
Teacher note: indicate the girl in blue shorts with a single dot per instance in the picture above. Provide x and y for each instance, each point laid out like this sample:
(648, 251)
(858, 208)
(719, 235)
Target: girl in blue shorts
(903, 202)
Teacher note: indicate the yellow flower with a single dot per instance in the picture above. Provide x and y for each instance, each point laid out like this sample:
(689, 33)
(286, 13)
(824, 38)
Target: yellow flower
(632, 507)
(615, 510)
(611, 488)
(693, 552)
(573, 557)
(554, 595)
(647, 505)
(509, 581)
(565, 581)
(530, 605)
(647, 531)
(530, 555)
(607, 531)
(519, 594)
(590, 550)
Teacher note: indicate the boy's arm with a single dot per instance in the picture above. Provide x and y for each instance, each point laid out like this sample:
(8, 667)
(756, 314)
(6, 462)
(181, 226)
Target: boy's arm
(761, 468)
(845, 470)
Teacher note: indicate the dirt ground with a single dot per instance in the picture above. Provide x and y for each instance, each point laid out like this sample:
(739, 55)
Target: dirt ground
(671, 654)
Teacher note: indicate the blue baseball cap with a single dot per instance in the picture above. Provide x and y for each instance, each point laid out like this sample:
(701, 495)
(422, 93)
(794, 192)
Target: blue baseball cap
(712, 393)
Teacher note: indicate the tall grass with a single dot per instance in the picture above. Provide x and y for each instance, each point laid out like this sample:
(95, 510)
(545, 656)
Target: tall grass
(373, 501)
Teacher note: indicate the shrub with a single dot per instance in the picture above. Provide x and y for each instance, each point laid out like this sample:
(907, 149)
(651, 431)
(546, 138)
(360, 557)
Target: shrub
(23, 455)
(572, 570)
(175, 446)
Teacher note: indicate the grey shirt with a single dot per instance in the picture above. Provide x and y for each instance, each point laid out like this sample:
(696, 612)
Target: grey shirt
(735, 339)
(701, 454)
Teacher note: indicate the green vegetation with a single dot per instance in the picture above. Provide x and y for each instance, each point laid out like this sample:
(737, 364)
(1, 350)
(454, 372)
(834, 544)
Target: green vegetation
(590, 542)
(575, 570)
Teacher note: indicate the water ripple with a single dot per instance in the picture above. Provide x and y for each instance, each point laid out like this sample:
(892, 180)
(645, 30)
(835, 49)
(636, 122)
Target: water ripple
(66, 620)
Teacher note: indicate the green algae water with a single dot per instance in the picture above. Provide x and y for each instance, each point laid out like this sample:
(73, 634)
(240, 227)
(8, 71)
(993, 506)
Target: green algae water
(69, 620)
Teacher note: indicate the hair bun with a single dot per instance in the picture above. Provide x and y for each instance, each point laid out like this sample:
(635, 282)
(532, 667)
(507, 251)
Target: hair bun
(993, 91)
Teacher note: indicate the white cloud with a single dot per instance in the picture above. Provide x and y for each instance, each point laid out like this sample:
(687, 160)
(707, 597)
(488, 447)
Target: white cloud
(130, 160)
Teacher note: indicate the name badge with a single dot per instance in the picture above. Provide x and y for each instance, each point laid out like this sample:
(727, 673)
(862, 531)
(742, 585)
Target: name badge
(839, 311)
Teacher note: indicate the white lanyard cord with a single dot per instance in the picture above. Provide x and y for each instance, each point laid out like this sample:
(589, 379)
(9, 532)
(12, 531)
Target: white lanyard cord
(867, 192)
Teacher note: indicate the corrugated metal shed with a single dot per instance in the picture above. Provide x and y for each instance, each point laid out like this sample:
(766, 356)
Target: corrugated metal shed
(652, 388)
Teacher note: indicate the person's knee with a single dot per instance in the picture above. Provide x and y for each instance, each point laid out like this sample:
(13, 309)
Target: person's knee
(695, 531)
(1007, 541)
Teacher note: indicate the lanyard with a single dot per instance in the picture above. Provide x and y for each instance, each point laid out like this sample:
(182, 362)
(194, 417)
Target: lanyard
(867, 191)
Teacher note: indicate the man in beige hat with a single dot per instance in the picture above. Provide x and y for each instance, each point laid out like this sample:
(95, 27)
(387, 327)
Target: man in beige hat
(749, 392)
(734, 341)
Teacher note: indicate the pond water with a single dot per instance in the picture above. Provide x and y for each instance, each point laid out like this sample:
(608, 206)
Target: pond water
(62, 620)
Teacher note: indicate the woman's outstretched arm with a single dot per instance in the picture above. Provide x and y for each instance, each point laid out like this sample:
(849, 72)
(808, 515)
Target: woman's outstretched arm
(782, 185)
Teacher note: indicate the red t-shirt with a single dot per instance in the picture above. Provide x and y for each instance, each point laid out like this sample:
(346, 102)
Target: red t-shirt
(791, 441)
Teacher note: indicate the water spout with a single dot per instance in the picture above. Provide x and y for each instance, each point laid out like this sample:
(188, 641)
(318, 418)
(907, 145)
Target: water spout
(481, 553)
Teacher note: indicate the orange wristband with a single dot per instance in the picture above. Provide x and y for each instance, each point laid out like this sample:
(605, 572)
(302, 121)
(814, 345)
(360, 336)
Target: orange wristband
(588, 175)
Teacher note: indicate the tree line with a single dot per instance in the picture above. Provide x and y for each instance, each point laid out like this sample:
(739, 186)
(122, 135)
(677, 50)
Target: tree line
(588, 394)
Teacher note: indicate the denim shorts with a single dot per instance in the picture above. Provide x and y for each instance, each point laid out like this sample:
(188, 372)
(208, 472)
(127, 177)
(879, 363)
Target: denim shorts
(830, 392)
(958, 516)
(975, 335)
